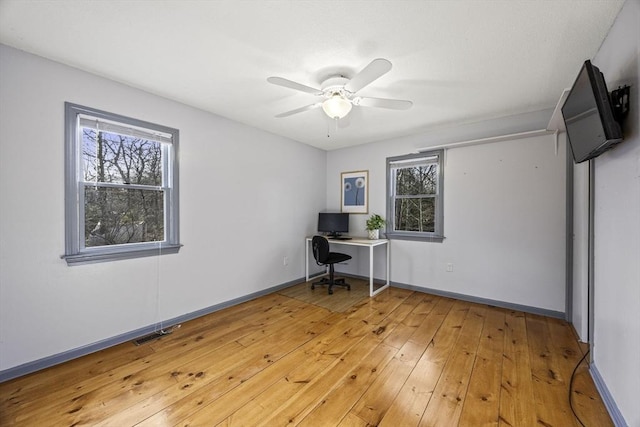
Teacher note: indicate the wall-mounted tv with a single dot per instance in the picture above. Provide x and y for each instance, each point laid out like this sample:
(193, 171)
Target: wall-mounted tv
(588, 115)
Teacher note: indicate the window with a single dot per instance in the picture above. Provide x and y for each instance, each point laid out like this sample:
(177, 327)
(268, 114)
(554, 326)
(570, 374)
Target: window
(414, 196)
(121, 187)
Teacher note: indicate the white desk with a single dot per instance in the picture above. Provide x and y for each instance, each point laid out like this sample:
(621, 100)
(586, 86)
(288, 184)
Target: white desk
(356, 242)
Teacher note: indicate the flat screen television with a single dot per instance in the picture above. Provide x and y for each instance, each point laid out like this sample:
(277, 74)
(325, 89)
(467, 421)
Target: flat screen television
(588, 115)
(333, 224)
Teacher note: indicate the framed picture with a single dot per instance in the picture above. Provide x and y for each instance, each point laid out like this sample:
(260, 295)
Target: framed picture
(355, 192)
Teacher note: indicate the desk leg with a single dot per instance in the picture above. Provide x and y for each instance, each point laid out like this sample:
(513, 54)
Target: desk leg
(306, 260)
(370, 271)
(388, 245)
(386, 285)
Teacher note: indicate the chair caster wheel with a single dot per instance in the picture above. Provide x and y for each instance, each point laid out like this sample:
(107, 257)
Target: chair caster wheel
(312, 287)
(348, 288)
(330, 291)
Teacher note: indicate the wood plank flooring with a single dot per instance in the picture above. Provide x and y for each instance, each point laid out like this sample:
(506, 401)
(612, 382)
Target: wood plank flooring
(402, 358)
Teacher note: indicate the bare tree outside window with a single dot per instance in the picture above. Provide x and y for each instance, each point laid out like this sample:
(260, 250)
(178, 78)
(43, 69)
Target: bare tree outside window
(416, 188)
(414, 192)
(118, 215)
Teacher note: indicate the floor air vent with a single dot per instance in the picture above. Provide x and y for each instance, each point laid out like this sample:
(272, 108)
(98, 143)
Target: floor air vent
(148, 338)
(155, 335)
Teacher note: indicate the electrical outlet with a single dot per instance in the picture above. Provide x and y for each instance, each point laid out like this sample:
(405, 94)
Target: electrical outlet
(285, 261)
(449, 267)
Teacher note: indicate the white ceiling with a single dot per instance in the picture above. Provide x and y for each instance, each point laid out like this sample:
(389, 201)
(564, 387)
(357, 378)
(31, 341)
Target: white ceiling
(458, 61)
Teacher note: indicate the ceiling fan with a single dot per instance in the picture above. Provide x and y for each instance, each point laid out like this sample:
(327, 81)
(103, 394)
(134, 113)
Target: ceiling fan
(338, 94)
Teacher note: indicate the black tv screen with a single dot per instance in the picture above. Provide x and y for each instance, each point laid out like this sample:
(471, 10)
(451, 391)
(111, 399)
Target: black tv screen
(588, 115)
(333, 224)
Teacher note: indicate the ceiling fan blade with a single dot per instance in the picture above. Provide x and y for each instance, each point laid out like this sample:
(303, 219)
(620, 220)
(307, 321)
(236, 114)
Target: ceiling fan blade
(392, 104)
(293, 85)
(371, 72)
(299, 110)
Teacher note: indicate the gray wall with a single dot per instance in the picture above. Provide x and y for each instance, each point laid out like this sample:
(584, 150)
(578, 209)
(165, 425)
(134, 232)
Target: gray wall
(247, 199)
(617, 227)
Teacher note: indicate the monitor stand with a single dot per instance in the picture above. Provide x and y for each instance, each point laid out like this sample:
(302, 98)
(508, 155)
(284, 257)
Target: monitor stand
(337, 236)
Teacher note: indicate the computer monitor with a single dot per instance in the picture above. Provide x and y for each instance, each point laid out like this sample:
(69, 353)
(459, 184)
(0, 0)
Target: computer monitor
(333, 224)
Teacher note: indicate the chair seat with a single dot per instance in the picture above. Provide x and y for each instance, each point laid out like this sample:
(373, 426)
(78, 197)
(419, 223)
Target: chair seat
(335, 257)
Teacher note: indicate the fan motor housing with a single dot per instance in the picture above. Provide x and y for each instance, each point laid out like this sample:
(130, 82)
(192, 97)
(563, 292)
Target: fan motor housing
(335, 84)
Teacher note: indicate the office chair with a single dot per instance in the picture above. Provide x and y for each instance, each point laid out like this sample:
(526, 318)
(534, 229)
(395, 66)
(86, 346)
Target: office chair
(323, 256)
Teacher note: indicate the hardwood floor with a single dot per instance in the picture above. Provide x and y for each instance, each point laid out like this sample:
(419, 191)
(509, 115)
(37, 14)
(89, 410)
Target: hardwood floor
(402, 358)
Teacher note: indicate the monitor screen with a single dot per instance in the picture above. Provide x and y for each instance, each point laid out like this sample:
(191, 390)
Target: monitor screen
(333, 224)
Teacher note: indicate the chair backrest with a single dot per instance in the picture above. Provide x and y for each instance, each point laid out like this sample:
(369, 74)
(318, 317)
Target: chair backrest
(320, 246)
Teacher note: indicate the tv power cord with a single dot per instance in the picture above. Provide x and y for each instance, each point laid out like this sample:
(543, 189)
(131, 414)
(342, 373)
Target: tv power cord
(573, 374)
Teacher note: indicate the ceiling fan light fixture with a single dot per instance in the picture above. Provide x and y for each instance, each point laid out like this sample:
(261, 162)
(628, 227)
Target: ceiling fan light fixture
(336, 106)
(338, 94)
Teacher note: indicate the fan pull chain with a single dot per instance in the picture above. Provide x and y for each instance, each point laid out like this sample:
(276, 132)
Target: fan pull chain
(335, 122)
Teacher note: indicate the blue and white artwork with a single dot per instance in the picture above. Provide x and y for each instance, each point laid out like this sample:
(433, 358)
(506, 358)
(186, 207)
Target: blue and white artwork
(354, 192)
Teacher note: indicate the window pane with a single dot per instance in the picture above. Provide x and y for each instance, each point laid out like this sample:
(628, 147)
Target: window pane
(415, 214)
(417, 180)
(114, 158)
(116, 216)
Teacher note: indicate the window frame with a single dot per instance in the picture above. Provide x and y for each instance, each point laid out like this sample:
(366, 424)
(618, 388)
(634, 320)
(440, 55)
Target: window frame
(75, 250)
(438, 234)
